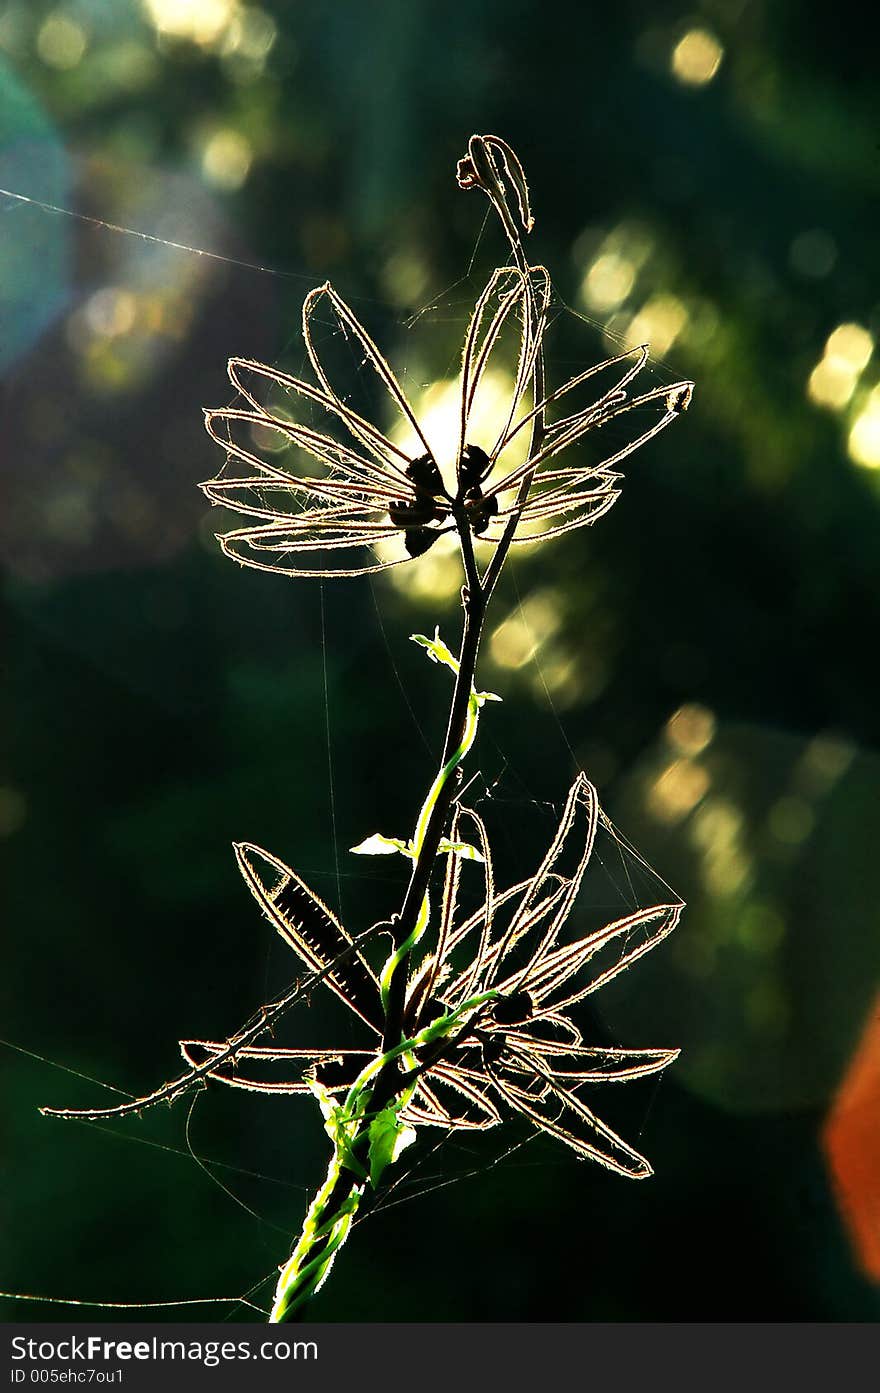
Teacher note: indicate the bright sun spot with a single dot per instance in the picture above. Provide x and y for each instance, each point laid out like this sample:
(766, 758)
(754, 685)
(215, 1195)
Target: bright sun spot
(226, 159)
(438, 412)
(696, 58)
(834, 378)
(608, 281)
(659, 323)
(864, 436)
(204, 22)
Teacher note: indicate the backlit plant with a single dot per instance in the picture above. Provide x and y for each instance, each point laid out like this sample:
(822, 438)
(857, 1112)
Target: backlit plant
(468, 1020)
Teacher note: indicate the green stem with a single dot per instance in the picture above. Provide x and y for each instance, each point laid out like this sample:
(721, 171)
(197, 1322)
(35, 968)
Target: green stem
(324, 1231)
(331, 1213)
(392, 966)
(330, 1216)
(432, 818)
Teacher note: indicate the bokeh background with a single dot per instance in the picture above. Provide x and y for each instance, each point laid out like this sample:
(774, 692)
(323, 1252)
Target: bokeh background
(705, 176)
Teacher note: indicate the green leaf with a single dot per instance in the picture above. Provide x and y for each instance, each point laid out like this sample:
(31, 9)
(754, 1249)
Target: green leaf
(437, 650)
(464, 850)
(328, 1108)
(388, 1137)
(377, 845)
(338, 1126)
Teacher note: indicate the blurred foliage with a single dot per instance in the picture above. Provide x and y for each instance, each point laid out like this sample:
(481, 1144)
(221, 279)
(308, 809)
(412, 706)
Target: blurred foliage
(705, 176)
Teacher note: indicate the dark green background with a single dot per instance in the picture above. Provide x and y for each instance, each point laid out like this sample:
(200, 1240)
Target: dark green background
(160, 703)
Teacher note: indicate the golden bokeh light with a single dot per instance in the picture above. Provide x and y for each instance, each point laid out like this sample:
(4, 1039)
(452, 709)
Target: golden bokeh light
(690, 729)
(716, 831)
(111, 311)
(863, 444)
(608, 281)
(726, 871)
(831, 384)
(512, 644)
(203, 22)
(438, 411)
(520, 636)
(612, 266)
(847, 353)
(436, 579)
(560, 674)
(850, 345)
(61, 41)
(718, 823)
(120, 334)
(677, 790)
(249, 34)
(658, 323)
(696, 58)
(226, 159)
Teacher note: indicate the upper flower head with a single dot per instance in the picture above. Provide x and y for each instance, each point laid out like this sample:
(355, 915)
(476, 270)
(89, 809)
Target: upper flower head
(347, 494)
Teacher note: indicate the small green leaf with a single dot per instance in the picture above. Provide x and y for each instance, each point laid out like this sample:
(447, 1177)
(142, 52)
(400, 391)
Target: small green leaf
(437, 650)
(388, 1137)
(462, 849)
(338, 1126)
(377, 845)
(328, 1108)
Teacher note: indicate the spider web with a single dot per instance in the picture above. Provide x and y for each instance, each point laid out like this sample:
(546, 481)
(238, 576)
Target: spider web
(499, 789)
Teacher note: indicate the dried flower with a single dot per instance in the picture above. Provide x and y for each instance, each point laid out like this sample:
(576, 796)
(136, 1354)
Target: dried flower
(518, 1046)
(368, 491)
(483, 1024)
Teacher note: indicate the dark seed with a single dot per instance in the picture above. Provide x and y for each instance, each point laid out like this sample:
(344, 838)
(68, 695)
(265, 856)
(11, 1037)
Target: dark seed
(414, 512)
(481, 510)
(473, 467)
(425, 474)
(514, 1009)
(493, 1048)
(417, 541)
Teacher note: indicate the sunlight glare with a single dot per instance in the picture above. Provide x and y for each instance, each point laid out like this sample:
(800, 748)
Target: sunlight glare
(226, 159)
(864, 437)
(847, 353)
(690, 729)
(696, 58)
(677, 790)
(204, 22)
(608, 282)
(438, 411)
(520, 636)
(659, 322)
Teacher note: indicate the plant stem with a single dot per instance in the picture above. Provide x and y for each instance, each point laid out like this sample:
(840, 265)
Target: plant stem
(330, 1216)
(331, 1213)
(474, 612)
